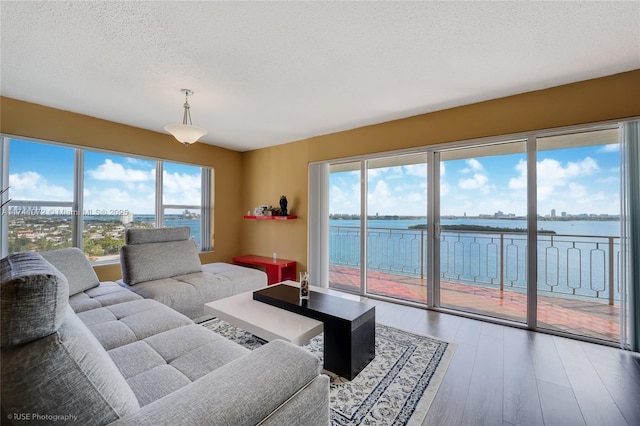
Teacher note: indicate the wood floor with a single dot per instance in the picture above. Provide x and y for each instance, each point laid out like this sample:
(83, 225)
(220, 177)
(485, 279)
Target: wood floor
(507, 376)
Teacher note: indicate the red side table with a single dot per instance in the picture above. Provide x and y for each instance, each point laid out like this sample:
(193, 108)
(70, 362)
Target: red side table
(277, 270)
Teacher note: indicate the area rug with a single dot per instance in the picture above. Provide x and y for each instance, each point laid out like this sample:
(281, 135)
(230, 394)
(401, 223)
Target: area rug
(396, 388)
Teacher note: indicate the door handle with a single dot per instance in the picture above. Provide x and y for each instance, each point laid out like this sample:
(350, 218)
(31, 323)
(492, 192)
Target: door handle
(437, 229)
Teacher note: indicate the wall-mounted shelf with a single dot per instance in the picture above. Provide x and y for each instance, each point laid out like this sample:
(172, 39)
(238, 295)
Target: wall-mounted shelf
(271, 217)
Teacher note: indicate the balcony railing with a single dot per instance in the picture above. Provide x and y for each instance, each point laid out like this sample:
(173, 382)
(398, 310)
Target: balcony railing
(578, 266)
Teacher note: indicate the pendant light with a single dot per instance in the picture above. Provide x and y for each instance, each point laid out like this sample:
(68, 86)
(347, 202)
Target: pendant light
(186, 132)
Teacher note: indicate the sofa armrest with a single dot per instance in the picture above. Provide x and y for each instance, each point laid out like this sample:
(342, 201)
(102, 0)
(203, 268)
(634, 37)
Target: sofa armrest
(243, 392)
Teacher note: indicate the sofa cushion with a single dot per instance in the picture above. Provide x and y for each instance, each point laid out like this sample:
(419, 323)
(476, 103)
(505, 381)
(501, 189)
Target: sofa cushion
(67, 372)
(74, 265)
(242, 278)
(181, 296)
(195, 351)
(106, 294)
(153, 261)
(144, 236)
(124, 323)
(188, 293)
(33, 298)
(157, 382)
(164, 362)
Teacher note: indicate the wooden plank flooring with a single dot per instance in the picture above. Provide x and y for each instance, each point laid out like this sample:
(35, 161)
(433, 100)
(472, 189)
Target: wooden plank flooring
(507, 376)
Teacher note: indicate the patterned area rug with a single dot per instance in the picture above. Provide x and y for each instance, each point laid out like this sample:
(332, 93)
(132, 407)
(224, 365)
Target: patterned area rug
(396, 388)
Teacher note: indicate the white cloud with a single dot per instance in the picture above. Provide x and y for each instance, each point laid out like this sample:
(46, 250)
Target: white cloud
(577, 191)
(386, 172)
(552, 174)
(110, 171)
(383, 201)
(116, 199)
(586, 167)
(419, 170)
(444, 188)
(33, 186)
(479, 181)
(614, 147)
(181, 188)
(570, 187)
(409, 186)
(377, 172)
(519, 182)
(138, 162)
(414, 197)
(609, 180)
(476, 182)
(473, 165)
(381, 190)
(345, 199)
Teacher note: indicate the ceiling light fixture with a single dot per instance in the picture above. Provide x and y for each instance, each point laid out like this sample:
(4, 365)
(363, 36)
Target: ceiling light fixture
(186, 132)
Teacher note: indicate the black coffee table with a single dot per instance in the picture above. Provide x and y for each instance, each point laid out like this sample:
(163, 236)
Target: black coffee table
(349, 326)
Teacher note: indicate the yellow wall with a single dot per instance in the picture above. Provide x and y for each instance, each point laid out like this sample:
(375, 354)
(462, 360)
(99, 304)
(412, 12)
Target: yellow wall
(271, 172)
(35, 121)
(246, 180)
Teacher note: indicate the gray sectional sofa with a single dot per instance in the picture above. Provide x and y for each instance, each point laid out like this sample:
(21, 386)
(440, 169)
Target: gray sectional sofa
(163, 264)
(78, 351)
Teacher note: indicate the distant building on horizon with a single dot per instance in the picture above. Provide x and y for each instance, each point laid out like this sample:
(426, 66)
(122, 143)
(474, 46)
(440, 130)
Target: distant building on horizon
(126, 218)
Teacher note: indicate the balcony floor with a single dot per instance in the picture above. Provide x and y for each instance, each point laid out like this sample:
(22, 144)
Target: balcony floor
(576, 316)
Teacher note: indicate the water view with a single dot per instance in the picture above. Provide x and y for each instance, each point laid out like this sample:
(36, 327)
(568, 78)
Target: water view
(565, 227)
(575, 257)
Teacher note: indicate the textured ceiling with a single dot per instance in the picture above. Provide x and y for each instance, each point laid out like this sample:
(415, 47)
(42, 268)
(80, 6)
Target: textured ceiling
(266, 73)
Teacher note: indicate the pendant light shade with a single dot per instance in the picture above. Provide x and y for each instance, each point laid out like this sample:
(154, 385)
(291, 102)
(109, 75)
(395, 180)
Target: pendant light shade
(186, 132)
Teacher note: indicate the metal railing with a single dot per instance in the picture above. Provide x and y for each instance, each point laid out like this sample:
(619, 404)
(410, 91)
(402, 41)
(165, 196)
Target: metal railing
(580, 266)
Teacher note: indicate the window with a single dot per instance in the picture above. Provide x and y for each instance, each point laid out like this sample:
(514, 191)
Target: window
(119, 193)
(40, 215)
(181, 198)
(521, 229)
(59, 196)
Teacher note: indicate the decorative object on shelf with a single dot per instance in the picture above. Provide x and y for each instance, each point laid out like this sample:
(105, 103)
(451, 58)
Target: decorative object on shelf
(283, 206)
(304, 286)
(262, 210)
(263, 217)
(186, 132)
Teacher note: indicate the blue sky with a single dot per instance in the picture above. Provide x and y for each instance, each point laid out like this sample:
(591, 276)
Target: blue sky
(111, 182)
(576, 180)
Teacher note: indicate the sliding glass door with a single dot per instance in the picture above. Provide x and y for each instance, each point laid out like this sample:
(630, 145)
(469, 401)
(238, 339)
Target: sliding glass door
(483, 230)
(526, 231)
(578, 191)
(345, 238)
(378, 245)
(396, 242)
